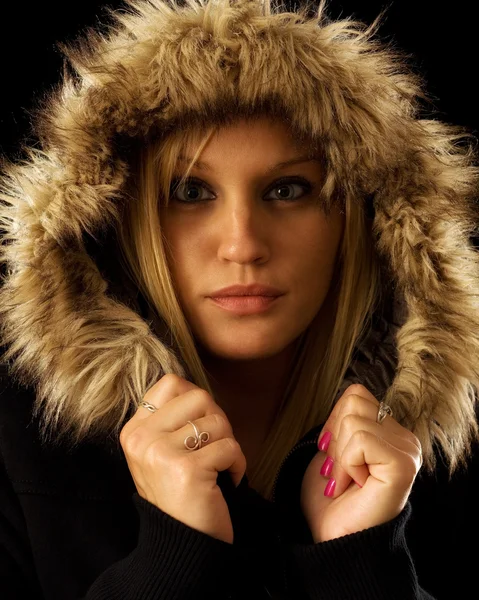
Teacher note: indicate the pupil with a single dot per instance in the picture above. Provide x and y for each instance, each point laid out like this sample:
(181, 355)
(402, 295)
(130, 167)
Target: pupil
(195, 190)
(284, 187)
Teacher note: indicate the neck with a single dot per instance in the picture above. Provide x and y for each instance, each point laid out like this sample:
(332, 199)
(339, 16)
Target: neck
(249, 391)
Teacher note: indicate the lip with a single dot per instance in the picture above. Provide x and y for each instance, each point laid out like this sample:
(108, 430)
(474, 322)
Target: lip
(245, 305)
(254, 289)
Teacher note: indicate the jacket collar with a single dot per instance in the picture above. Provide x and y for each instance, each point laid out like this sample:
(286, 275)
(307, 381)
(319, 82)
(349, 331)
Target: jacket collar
(285, 503)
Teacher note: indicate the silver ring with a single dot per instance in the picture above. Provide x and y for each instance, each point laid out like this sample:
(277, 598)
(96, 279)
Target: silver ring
(149, 407)
(383, 411)
(199, 438)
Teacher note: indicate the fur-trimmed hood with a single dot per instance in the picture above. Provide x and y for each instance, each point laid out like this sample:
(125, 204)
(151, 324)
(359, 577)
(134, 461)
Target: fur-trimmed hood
(68, 314)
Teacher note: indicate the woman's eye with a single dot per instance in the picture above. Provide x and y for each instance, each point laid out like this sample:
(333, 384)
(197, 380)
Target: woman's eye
(193, 191)
(290, 190)
(190, 192)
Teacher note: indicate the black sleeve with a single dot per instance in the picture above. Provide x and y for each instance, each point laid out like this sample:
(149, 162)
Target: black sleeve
(373, 564)
(171, 561)
(17, 575)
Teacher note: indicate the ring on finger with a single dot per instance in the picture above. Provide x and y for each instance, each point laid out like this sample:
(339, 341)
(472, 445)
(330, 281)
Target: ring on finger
(198, 440)
(151, 407)
(383, 411)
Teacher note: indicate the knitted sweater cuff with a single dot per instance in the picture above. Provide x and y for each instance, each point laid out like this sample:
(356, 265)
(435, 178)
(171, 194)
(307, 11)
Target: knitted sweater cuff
(171, 561)
(373, 564)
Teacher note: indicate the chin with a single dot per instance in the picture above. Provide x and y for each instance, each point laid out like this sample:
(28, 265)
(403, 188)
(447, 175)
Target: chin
(244, 351)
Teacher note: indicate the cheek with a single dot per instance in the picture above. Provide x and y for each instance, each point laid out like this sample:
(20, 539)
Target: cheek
(317, 246)
(316, 258)
(185, 263)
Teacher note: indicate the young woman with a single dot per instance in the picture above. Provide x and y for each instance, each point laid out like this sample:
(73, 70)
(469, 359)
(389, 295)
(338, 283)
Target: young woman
(240, 319)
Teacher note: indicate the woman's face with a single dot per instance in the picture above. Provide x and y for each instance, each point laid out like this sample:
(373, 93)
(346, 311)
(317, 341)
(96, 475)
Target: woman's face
(256, 223)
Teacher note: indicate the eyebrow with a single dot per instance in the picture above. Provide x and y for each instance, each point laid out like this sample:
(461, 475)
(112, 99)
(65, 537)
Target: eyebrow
(294, 161)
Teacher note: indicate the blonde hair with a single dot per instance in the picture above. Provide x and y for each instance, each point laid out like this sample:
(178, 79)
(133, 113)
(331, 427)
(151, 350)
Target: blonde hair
(313, 383)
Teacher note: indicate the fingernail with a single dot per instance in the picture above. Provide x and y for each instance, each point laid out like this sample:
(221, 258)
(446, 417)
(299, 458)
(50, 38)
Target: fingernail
(358, 484)
(329, 489)
(327, 467)
(324, 441)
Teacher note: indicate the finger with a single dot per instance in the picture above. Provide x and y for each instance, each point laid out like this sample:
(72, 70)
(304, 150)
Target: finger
(393, 433)
(386, 462)
(340, 478)
(191, 406)
(383, 461)
(350, 403)
(366, 406)
(209, 429)
(224, 454)
(160, 448)
(358, 400)
(343, 403)
(170, 418)
(165, 389)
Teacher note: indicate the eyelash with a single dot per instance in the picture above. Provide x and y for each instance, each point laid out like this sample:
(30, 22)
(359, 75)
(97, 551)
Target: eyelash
(308, 187)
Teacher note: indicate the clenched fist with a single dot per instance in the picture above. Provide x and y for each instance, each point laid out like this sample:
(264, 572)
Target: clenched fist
(364, 471)
(182, 482)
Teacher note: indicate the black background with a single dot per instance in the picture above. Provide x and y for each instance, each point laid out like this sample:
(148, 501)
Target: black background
(440, 43)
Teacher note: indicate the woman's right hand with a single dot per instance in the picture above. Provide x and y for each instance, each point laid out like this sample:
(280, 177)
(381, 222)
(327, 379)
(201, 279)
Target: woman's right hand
(182, 482)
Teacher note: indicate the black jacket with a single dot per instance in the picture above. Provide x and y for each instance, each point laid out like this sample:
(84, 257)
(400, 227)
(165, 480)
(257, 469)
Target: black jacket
(72, 526)
(75, 325)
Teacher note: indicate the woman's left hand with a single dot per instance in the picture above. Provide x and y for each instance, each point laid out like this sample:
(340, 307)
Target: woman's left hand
(371, 474)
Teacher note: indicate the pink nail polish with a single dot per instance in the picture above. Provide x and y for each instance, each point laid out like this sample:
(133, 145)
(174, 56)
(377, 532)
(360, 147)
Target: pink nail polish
(329, 490)
(327, 467)
(324, 441)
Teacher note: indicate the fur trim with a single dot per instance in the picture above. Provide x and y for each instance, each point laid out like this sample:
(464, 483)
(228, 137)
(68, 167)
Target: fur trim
(162, 65)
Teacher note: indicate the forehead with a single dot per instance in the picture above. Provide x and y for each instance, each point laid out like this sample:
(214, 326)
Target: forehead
(242, 138)
(256, 127)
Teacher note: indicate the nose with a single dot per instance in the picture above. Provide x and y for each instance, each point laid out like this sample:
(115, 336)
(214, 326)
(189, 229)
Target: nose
(244, 231)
